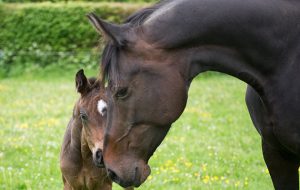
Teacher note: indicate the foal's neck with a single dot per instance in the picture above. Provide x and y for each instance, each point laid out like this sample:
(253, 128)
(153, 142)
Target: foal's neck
(85, 150)
(78, 145)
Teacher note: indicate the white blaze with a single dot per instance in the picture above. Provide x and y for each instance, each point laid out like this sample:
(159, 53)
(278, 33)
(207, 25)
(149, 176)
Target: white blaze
(102, 106)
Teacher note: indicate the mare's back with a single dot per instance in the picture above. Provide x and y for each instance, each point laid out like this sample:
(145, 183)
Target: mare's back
(185, 20)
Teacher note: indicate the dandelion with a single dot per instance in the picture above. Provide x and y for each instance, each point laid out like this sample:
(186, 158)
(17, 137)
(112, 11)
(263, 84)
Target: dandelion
(216, 178)
(237, 184)
(188, 164)
(174, 170)
(227, 181)
(266, 171)
(23, 126)
(176, 179)
(206, 179)
(205, 115)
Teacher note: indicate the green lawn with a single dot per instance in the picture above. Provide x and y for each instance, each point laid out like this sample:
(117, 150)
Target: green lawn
(212, 146)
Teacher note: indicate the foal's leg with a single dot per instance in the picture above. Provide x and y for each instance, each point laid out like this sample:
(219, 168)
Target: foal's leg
(283, 168)
(66, 184)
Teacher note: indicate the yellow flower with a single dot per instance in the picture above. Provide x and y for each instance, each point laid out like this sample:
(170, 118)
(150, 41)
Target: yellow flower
(23, 126)
(206, 179)
(188, 164)
(216, 178)
(266, 171)
(237, 184)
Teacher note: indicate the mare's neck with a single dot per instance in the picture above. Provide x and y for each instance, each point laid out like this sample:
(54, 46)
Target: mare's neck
(246, 39)
(224, 60)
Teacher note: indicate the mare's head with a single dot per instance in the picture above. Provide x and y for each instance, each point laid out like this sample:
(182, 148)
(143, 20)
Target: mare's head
(91, 110)
(146, 94)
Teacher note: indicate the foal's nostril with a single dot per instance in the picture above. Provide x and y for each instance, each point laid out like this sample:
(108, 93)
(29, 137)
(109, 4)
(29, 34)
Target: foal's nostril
(99, 159)
(99, 154)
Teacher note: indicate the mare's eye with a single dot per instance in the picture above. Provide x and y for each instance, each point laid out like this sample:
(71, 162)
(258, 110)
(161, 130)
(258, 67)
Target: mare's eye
(122, 93)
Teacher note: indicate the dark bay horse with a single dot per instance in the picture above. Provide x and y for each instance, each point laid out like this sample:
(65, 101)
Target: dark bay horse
(81, 160)
(152, 58)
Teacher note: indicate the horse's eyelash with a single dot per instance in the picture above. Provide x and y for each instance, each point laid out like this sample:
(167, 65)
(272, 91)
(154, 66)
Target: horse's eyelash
(83, 115)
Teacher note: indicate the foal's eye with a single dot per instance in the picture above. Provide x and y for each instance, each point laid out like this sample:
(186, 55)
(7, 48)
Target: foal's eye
(83, 116)
(122, 93)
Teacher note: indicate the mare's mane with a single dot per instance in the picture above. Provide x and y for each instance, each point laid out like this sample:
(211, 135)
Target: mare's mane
(109, 62)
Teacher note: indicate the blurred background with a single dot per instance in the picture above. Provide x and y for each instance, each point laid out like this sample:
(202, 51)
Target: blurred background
(37, 34)
(42, 45)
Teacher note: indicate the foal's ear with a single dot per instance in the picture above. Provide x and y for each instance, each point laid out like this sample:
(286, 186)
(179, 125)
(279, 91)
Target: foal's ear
(82, 84)
(113, 33)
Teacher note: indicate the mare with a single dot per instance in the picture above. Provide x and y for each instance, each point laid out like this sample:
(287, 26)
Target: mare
(81, 160)
(150, 60)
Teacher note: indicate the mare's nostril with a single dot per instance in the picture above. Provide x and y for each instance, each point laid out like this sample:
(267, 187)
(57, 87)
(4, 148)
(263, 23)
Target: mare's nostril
(113, 176)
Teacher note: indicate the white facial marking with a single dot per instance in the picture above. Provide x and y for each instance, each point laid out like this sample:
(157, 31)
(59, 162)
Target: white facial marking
(102, 106)
(97, 146)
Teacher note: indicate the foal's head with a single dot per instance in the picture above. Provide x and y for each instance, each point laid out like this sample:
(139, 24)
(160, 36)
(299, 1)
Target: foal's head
(91, 111)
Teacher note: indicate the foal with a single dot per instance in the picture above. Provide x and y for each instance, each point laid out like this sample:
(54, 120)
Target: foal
(81, 159)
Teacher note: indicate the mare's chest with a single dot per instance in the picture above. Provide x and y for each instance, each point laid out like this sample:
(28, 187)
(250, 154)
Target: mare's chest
(285, 104)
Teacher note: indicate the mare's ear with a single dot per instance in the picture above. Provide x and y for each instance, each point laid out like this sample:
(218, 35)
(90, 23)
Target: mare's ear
(115, 34)
(82, 84)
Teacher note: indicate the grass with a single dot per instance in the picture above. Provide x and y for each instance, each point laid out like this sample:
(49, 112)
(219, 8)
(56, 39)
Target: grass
(212, 146)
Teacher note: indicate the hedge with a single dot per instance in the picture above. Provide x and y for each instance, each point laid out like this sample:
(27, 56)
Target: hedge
(41, 34)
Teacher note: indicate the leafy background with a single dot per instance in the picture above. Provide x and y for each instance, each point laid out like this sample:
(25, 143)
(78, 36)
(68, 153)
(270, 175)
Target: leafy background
(36, 35)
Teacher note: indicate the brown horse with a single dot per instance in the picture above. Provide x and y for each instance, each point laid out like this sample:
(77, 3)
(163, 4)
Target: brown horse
(81, 154)
(152, 58)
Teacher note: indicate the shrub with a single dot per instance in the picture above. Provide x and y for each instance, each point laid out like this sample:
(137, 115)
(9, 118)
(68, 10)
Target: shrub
(45, 33)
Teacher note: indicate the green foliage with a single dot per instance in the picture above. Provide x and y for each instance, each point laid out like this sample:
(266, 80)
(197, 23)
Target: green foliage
(46, 33)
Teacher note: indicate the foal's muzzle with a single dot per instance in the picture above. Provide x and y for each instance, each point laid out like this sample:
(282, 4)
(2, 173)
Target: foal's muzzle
(98, 159)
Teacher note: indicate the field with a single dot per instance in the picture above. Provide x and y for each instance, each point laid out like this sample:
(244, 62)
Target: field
(212, 146)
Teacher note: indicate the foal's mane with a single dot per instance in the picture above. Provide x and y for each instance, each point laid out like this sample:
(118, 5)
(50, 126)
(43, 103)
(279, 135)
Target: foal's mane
(94, 82)
(109, 62)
